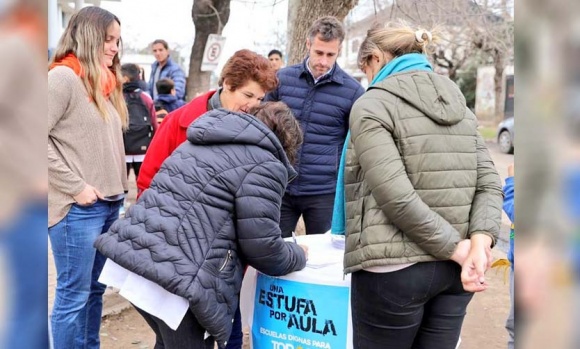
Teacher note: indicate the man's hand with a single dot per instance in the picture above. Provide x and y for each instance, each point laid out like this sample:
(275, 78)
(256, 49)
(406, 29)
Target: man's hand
(88, 196)
(476, 264)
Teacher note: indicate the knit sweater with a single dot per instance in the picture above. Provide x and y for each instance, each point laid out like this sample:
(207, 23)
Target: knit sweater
(83, 148)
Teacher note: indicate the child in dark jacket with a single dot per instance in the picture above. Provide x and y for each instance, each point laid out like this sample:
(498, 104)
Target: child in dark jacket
(167, 100)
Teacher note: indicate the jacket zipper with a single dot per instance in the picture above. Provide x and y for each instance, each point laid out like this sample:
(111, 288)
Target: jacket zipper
(228, 258)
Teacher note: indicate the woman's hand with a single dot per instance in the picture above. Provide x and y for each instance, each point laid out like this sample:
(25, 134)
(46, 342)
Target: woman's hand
(476, 264)
(461, 251)
(305, 248)
(88, 196)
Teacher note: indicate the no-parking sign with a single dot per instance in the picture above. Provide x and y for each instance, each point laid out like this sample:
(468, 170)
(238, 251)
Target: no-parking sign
(211, 54)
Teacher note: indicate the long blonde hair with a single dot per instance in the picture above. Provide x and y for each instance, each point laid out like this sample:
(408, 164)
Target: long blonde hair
(396, 38)
(85, 38)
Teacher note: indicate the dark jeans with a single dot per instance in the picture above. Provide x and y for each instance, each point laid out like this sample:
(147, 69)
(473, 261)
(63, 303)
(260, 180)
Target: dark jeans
(237, 337)
(136, 166)
(189, 334)
(315, 209)
(418, 307)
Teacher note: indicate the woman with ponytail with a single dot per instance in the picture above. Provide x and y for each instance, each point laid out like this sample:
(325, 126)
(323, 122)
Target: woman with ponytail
(86, 168)
(423, 199)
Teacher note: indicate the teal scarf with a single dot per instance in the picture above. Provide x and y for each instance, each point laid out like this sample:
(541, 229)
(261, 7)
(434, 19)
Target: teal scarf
(408, 62)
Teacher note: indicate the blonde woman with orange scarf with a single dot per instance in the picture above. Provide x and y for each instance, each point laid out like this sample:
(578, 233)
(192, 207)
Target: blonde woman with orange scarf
(86, 168)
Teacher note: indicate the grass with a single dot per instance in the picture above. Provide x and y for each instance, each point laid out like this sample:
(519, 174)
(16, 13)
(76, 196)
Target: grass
(488, 133)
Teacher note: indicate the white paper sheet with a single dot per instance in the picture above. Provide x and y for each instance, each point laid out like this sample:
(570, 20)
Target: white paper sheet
(145, 294)
(321, 251)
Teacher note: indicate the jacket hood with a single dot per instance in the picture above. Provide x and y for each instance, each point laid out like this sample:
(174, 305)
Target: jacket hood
(435, 95)
(167, 98)
(131, 86)
(221, 126)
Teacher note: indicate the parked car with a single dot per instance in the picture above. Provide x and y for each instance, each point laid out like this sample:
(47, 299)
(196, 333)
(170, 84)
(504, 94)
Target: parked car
(505, 136)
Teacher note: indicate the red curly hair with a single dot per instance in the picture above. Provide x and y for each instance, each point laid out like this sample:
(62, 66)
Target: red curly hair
(246, 65)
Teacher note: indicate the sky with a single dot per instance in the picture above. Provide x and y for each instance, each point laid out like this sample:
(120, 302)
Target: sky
(171, 20)
(257, 25)
(253, 24)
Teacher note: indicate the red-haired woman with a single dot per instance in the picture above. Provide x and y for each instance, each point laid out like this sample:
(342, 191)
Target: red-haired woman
(245, 80)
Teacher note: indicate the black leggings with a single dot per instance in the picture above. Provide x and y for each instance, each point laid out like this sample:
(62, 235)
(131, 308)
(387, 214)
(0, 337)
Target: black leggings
(189, 334)
(136, 166)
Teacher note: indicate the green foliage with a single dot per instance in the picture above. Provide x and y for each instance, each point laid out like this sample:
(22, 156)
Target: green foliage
(467, 81)
(488, 133)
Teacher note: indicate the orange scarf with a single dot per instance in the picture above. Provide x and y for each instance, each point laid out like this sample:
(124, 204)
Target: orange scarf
(108, 80)
(24, 20)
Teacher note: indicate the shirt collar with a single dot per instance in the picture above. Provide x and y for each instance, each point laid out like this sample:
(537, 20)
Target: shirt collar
(320, 77)
(214, 102)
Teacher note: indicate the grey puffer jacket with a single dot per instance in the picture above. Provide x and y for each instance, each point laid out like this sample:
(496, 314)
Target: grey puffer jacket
(213, 207)
(418, 175)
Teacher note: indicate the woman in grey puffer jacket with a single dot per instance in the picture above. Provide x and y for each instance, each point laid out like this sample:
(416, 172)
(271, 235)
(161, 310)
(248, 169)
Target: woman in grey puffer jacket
(212, 209)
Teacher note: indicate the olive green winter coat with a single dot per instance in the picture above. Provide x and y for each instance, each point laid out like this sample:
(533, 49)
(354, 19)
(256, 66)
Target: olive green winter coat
(418, 175)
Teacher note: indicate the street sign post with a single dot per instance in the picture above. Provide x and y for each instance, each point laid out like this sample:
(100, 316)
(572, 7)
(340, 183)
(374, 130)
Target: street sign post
(213, 49)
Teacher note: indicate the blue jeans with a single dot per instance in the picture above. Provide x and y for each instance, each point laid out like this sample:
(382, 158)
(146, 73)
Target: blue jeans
(78, 304)
(25, 248)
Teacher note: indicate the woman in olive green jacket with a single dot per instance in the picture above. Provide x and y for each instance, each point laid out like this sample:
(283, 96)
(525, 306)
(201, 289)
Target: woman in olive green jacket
(423, 198)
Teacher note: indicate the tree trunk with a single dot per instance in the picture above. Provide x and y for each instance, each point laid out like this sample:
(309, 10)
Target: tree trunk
(209, 17)
(498, 60)
(307, 11)
(453, 74)
(293, 6)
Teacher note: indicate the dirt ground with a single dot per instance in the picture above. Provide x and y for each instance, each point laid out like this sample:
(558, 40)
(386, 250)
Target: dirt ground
(483, 327)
